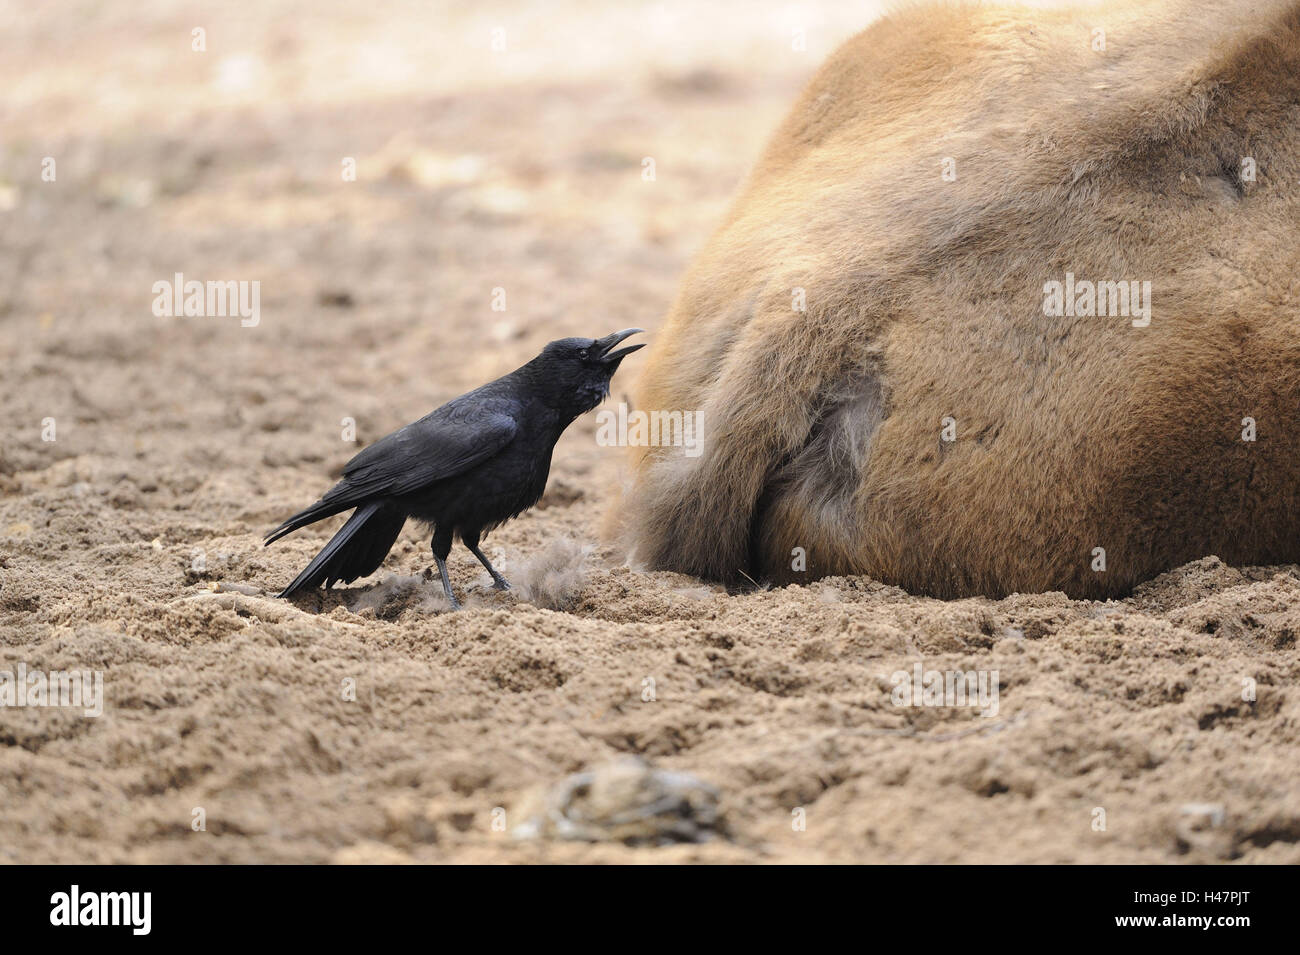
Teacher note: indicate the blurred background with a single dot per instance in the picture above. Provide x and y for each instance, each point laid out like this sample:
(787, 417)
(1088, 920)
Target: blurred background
(494, 145)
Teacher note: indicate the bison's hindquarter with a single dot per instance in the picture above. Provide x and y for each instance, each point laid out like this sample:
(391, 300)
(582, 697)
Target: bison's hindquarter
(857, 310)
(757, 392)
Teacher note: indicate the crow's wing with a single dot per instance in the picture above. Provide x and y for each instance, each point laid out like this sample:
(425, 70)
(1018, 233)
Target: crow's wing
(441, 445)
(450, 441)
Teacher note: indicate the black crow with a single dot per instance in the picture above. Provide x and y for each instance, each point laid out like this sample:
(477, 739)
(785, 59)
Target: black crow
(473, 464)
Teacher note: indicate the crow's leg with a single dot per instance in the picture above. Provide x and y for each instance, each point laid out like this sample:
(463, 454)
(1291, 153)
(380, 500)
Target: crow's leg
(471, 541)
(441, 545)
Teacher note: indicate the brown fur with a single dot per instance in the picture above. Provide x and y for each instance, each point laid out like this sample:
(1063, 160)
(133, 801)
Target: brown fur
(925, 300)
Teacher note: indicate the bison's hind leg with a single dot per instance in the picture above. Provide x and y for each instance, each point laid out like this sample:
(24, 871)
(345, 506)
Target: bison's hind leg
(809, 521)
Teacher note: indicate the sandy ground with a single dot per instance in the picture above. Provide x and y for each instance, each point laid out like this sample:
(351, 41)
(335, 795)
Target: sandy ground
(130, 544)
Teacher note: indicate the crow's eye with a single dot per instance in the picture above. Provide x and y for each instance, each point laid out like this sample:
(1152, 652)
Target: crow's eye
(583, 353)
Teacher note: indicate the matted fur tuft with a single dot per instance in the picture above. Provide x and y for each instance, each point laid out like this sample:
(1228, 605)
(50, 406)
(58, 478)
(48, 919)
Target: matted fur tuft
(553, 577)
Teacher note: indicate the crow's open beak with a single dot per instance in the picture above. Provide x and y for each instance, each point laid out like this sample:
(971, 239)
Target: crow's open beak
(607, 343)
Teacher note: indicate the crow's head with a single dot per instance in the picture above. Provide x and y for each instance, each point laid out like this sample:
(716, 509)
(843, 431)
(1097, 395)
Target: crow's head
(575, 372)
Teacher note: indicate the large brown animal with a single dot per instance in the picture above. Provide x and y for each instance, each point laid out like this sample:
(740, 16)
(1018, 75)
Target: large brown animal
(948, 411)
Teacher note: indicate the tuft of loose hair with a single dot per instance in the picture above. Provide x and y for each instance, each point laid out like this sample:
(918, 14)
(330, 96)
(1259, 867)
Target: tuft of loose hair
(398, 593)
(554, 577)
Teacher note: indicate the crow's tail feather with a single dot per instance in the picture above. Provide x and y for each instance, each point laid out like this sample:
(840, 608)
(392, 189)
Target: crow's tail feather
(322, 509)
(356, 550)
